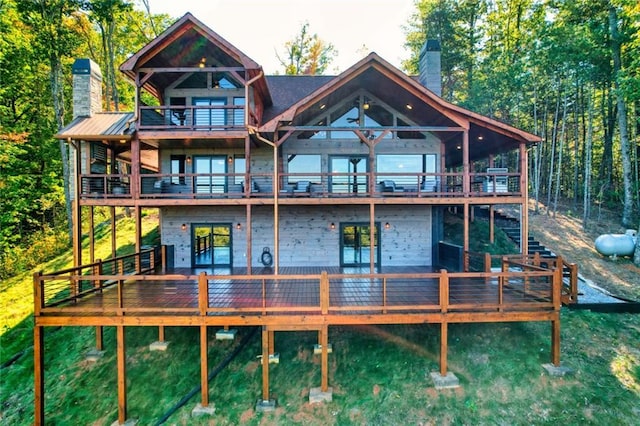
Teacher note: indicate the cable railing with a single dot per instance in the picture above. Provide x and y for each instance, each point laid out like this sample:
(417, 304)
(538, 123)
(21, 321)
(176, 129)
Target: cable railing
(519, 286)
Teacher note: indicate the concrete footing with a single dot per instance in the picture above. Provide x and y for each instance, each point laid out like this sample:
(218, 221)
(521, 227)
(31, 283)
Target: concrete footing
(557, 370)
(317, 349)
(263, 406)
(128, 422)
(159, 346)
(317, 396)
(94, 355)
(199, 410)
(450, 381)
(226, 334)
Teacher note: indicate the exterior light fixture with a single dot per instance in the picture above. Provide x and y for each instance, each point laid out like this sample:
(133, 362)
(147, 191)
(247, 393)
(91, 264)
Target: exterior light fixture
(188, 160)
(366, 105)
(332, 226)
(183, 227)
(409, 106)
(323, 106)
(230, 160)
(387, 225)
(480, 137)
(458, 147)
(238, 226)
(203, 62)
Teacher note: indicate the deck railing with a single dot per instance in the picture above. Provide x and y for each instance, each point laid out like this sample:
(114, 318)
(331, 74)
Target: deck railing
(519, 286)
(192, 118)
(317, 185)
(68, 286)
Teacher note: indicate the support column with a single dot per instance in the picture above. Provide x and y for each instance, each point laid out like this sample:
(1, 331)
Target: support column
(524, 207)
(265, 404)
(38, 374)
(465, 247)
(444, 347)
(113, 232)
(248, 231)
(323, 393)
(122, 374)
(92, 236)
(491, 224)
(276, 212)
(204, 366)
(137, 211)
(466, 178)
(372, 234)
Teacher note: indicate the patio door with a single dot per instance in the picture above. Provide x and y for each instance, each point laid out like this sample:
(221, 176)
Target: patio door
(213, 169)
(355, 244)
(211, 245)
(348, 175)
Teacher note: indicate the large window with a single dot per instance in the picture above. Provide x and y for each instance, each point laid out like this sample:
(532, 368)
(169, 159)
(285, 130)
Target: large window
(406, 169)
(210, 111)
(304, 167)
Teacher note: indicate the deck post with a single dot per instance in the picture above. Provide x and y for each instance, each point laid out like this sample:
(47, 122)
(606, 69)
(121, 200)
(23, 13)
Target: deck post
(161, 333)
(444, 340)
(92, 235)
(163, 258)
(491, 224)
(324, 369)
(324, 293)
(203, 294)
(204, 366)
(113, 231)
(38, 373)
(122, 375)
(555, 342)
(265, 363)
(444, 290)
(465, 243)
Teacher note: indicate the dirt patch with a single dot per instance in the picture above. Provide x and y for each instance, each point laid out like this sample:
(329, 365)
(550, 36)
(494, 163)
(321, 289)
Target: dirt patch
(565, 236)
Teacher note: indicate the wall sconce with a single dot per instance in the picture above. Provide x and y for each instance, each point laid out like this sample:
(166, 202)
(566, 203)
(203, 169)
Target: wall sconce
(230, 160)
(183, 227)
(332, 226)
(387, 225)
(188, 160)
(238, 226)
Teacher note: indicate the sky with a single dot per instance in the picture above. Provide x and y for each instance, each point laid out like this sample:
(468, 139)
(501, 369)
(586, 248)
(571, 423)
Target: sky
(259, 28)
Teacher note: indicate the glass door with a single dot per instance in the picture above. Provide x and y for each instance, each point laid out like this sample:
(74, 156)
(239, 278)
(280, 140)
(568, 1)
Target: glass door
(349, 175)
(211, 245)
(213, 170)
(211, 113)
(355, 244)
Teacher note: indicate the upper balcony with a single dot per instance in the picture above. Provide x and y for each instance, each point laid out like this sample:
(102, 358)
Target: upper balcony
(160, 188)
(198, 119)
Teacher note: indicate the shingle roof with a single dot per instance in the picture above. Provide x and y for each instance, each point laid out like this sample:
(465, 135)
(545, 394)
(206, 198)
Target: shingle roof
(286, 90)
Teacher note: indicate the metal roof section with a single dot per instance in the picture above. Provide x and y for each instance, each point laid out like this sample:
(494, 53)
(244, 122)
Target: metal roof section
(101, 126)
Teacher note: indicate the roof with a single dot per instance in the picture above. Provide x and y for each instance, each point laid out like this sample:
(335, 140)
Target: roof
(100, 126)
(286, 90)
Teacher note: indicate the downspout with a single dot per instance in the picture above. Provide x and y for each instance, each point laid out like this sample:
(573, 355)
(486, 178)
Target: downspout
(276, 190)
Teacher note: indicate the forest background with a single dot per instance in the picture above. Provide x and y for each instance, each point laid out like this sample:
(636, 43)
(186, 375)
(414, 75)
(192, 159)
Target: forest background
(566, 70)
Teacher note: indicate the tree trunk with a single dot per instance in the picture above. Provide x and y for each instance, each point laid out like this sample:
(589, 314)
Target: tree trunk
(560, 151)
(57, 91)
(587, 163)
(627, 210)
(552, 155)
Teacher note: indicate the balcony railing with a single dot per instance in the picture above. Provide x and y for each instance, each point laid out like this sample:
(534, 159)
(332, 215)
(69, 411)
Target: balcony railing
(185, 117)
(316, 185)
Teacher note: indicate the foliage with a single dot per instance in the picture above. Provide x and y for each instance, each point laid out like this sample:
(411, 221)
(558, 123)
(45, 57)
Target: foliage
(307, 54)
(524, 61)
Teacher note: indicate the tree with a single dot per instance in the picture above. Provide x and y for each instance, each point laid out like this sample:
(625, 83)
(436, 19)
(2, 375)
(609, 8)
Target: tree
(307, 54)
(54, 39)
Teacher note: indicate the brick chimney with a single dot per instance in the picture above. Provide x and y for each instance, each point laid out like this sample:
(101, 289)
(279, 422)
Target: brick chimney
(429, 67)
(87, 88)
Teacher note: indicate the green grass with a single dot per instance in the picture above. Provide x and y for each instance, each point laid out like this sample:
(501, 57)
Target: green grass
(379, 375)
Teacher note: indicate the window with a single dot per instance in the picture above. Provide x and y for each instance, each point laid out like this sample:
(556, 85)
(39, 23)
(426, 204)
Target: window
(298, 164)
(239, 168)
(405, 169)
(177, 169)
(210, 111)
(238, 113)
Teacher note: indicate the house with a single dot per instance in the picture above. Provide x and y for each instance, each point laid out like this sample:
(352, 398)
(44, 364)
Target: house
(258, 176)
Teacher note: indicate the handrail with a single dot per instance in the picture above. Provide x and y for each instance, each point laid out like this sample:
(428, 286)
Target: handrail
(321, 185)
(532, 288)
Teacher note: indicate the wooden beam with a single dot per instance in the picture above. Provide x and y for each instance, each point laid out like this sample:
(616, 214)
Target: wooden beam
(92, 236)
(444, 338)
(114, 247)
(524, 209)
(466, 178)
(265, 363)
(249, 235)
(99, 338)
(466, 231)
(122, 374)
(204, 366)
(491, 223)
(372, 233)
(38, 375)
(324, 369)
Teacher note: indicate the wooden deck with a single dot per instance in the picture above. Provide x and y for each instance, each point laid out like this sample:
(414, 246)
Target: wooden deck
(125, 292)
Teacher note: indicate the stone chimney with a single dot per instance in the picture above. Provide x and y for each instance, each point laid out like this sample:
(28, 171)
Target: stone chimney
(87, 88)
(429, 67)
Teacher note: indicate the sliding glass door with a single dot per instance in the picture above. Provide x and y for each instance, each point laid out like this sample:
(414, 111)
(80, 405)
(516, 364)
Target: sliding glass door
(214, 169)
(355, 244)
(211, 245)
(349, 175)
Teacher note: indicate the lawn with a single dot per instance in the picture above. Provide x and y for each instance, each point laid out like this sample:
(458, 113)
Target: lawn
(379, 374)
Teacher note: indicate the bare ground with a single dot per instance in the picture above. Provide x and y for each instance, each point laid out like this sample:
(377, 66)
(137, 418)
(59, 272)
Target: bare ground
(565, 236)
